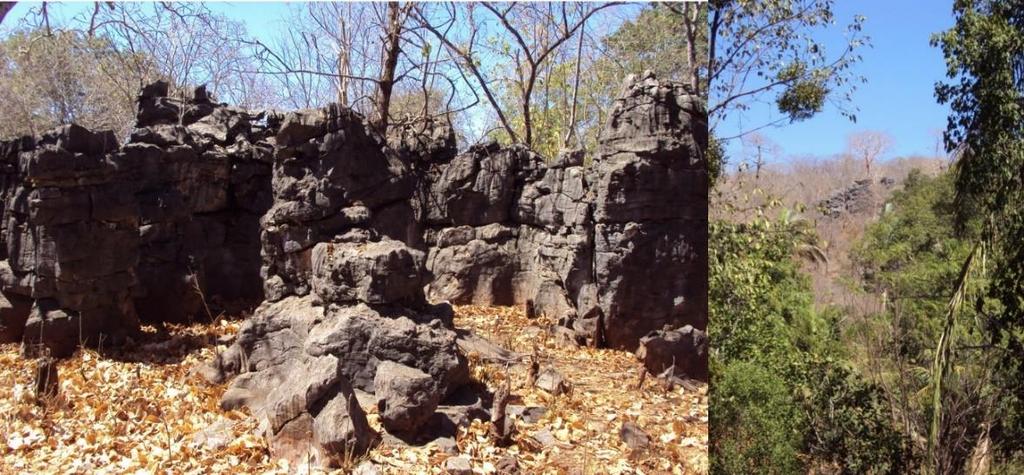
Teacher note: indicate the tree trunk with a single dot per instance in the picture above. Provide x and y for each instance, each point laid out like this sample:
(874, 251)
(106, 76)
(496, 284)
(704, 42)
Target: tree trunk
(689, 24)
(344, 67)
(5, 8)
(387, 76)
(575, 90)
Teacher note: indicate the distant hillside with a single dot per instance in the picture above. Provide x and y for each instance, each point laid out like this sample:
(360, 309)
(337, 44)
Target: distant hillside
(835, 196)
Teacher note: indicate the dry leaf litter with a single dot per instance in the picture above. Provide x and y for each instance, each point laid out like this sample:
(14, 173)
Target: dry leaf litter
(145, 411)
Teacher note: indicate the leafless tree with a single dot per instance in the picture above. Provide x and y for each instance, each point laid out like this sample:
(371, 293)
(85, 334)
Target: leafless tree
(526, 35)
(362, 52)
(868, 146)
(759, 149)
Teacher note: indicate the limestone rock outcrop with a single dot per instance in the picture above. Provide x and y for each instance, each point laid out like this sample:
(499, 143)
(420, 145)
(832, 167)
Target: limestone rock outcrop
(650, 212)
(344, 292)
(203, 183)
(69, 241)
(614, 250)
(355, 243)
(332, 174)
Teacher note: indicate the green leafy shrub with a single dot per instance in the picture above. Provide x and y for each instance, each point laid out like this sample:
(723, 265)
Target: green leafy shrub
(755, 424)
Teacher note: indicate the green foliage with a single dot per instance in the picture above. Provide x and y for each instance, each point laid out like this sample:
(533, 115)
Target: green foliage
(772, 348)
(51, 79)
(716, 158)
(654, 40)
(754, 420)
(804, 94)
(755, 288)
(984, 53)
(848, 424)
(913, 254)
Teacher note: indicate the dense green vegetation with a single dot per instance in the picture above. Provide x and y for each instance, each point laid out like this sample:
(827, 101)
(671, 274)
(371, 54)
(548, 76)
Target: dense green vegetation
(783, 390)
(931, 377)
(830, 390)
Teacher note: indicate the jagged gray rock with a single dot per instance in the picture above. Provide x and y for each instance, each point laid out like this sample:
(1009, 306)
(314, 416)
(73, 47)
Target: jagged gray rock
(380, 272)
(337, 229)
(650, 186)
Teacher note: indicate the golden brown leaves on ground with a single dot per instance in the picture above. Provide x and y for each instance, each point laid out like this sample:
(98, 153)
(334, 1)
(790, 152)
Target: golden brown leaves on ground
(145, 411)
(585, 423)
(136, 412)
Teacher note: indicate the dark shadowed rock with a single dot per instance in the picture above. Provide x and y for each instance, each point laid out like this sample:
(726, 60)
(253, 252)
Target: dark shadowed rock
(683, 351)
(14, 312)
(650, 186)
(337, 229)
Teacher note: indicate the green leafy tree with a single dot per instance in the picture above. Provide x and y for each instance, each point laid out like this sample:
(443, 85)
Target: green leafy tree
(62, 77)
(656, 39)
(763, 317)
(984, 53)
(755, 419)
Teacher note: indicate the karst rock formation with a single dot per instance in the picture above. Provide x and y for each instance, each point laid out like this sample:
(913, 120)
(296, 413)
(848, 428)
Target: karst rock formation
(352, 246)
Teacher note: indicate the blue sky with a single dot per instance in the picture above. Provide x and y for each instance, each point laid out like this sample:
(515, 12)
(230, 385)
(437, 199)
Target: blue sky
(901, 68)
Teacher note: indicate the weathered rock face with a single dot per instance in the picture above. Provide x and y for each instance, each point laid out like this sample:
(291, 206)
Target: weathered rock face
(861, 197)
(650, 187)
(615, 250)
(164, 221)
(682, 353)
(70, 226)
(203, 176)
(406, 398)
(332, 175)
(345, 237)
(504, 228)
(345, 304)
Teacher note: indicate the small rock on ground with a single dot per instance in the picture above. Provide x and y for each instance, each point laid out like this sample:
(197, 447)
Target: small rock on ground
(458, 466)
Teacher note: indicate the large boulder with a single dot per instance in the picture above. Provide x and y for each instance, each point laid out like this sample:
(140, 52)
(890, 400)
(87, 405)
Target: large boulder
(682, 352)
(406, 397)
(381, 272)
(294, 354)
(313, 415)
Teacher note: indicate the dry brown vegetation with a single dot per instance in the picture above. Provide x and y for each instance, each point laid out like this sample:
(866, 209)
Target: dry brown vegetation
(145, 411)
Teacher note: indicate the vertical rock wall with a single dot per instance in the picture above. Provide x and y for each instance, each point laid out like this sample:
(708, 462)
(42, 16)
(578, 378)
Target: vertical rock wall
(203, 184)
(95, 236)
(333, 177)
(614, 250)
(70, 225)
(651, 212)
(209, 205)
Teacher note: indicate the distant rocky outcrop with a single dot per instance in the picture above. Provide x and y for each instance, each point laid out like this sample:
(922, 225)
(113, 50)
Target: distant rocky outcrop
(861, 197)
